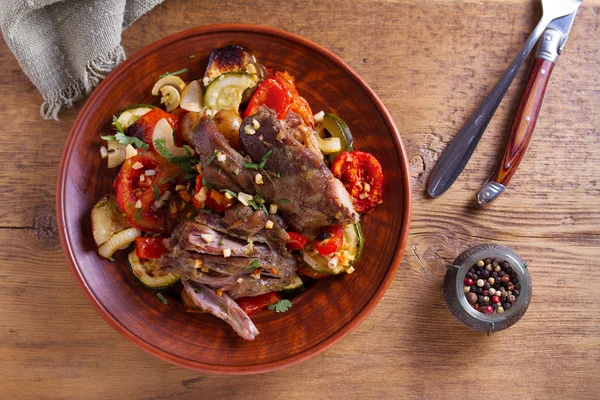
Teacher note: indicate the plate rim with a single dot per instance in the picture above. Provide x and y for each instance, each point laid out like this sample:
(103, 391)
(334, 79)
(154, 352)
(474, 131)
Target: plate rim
(293, 359)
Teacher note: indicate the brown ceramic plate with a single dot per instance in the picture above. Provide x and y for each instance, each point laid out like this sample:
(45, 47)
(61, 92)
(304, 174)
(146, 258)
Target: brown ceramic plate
(320, 316)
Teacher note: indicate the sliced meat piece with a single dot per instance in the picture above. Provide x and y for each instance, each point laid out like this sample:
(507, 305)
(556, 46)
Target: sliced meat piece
(227, 174)
(298, 181)
(222, 307)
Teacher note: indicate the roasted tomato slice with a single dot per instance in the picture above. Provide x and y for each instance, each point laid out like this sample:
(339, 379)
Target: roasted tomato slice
(299, 104)
(132, 190)
(297, 241)
(272, 94)
(144, 127)
(251, 305)
(362, 176)
(330, 240)
(150, 247)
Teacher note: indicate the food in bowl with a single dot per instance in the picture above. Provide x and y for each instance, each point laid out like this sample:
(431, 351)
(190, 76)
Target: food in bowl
(235, 194)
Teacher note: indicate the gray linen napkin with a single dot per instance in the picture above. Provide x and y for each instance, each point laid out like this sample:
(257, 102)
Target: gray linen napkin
(67, 47)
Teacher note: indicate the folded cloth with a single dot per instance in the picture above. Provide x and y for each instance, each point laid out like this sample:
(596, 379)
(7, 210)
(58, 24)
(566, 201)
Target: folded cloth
(66, 47)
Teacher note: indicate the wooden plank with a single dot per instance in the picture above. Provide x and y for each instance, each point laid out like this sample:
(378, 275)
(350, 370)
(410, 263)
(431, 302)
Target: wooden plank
(431, 62)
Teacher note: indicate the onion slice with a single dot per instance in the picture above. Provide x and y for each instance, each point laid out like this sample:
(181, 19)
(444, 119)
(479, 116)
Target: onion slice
(163, 130)
(117, 241)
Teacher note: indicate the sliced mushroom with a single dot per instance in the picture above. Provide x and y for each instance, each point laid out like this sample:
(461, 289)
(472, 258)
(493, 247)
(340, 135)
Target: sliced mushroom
(170, 80)
(191, 97)
(170, 97)
(116, 153)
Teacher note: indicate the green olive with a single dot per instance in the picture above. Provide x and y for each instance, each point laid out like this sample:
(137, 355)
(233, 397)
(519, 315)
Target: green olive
(228, 122)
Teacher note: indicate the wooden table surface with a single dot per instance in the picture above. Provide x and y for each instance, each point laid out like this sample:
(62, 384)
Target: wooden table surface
(431, 62)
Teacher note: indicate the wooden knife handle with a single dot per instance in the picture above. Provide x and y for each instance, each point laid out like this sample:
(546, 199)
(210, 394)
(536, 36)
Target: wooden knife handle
(521, 131)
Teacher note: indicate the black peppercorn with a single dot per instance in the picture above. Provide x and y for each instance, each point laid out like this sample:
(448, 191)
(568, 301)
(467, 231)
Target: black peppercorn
(480, 299)
(494, 274)
(516, 292)
(518, 286)
(486, 285)
(471, 270)
(479, 290)
(473, 289)
(485, 274)
(501, 274)
(507, 305)
(495, 263)
(487, 261)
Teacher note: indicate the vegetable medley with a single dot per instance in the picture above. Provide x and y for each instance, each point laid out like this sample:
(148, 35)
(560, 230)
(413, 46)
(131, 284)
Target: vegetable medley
(235, 194)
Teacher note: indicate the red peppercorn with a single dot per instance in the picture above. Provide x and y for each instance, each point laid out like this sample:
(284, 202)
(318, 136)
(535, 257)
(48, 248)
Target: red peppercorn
(488, 310)
(469, 282)
(505, 278)
(495, 299)
(485, 292)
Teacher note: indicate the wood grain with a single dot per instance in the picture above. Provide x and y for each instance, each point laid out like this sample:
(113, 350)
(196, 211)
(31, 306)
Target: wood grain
(431, 62)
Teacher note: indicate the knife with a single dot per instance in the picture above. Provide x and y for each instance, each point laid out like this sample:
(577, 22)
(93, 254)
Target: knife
(550, 47)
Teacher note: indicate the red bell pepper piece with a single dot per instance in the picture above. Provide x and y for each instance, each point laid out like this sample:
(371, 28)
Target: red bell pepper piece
(330, 240)
(150, 247)
(297, 241)
(144, 126)
(273, 95)
(251, 305)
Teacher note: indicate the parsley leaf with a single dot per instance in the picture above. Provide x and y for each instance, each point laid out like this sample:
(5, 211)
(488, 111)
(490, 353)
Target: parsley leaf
(283, 201)
(181, 71)
(161, 146)
(197, 290)
(138, 214)
(212, 157)
(251, 166)
(162, 298)
(232, 194)
(206, 183)
(186, 163)
(111, 259)
(124, 139)
(156, 193)
(254, 264)
(281, 306)
(192, 56)
(221, 241)
(264, 159)
(109, 137)
(205, 210)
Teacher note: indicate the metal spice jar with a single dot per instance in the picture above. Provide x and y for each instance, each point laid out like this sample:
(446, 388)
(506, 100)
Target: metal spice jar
(488, 304)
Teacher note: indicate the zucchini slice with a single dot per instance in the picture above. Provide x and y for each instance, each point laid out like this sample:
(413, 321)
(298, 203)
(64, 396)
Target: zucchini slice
(149, 275)
(295, 287)
(346, 257)
(131, 114)
(337, 128)
(225, 92)
(107, 219)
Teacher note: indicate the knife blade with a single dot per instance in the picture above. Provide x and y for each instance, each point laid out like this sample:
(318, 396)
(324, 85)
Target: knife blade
(550, 47)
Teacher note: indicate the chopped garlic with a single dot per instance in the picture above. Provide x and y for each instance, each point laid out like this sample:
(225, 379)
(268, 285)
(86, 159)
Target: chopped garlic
(142, 178)
(319, 116)
(138, 204)
(255, 124)
(130, 152)
(228, 196)
(150, 172)
(350, 270)
(207, 237)
(367, 187)
(363, 196)
(244, 198)
(221, 157)
(240, 280)
(258, 179)
(103, 152)
(202, 195)
(273, 209)
(198, 264)
(180, 187)
(226, 253)
(206, 81)
(280, 136)
(249, 130)
(269, 225)
(256, 274)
